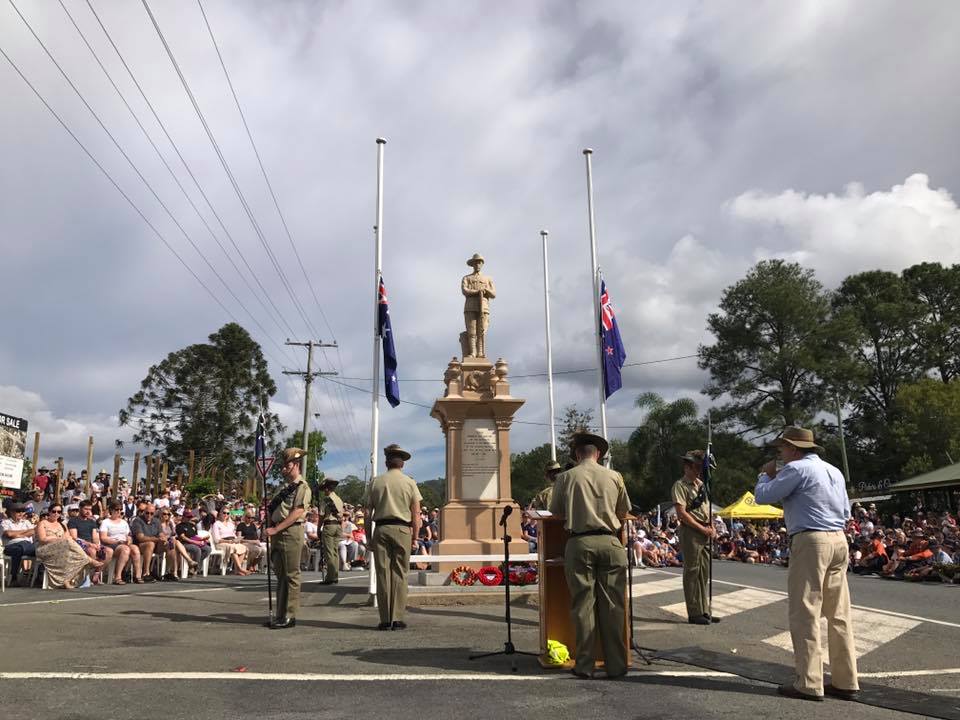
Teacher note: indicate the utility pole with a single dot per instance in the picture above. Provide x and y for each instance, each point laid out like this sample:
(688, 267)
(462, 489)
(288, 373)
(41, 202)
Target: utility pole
(308, 377)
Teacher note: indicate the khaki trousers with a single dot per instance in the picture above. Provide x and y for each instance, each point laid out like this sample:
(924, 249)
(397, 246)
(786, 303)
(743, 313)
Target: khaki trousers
(696, 570)
(285, 549)
(391, 559)
(817, 585)
(596, 571)
(329, 539)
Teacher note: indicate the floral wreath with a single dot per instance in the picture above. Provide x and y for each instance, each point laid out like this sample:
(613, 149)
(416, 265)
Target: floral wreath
(463, 576)
(490, 575)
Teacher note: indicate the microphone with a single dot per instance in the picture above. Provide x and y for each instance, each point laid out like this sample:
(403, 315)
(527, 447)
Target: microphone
(506, 513)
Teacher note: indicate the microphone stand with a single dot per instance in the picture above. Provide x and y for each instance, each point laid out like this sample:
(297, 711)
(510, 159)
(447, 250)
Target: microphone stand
(508, 646)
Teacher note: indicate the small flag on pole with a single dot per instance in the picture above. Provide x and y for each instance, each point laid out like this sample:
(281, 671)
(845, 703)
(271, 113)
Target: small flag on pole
(613, 353)
(391, 384)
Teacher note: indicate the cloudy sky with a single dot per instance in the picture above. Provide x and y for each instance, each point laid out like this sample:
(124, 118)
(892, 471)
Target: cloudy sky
(723, 133)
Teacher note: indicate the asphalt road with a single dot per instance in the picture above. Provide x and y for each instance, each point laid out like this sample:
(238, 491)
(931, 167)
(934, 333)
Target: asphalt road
(116, 652)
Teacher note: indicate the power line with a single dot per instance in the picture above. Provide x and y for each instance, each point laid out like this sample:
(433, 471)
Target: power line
(193, 177)
(539, 374)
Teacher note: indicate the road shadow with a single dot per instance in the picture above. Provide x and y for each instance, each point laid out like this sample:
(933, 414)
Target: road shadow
(238, 619)
(446, 658)
(428, 611)
(697, 683)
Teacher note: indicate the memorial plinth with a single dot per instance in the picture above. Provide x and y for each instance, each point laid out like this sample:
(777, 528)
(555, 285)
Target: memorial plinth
(475, 413)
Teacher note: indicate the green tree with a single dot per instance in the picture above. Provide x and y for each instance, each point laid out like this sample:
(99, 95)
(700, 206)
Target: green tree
(773, 335)
(526, 473)
(573, 421)
(434, 492)
(927, 428)
(315, 453)
(936, 291)
(667, 431)
(205, 397)
(351, 489)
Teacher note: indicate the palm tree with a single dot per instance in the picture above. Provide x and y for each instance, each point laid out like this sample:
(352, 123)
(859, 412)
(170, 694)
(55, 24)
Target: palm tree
(659, 441)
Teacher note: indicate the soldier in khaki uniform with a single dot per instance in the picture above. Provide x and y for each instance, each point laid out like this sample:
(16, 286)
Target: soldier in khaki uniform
(394, 504)
(593, 503)
(541, 501)
(287, 511)
(690, 500)
(330, 533)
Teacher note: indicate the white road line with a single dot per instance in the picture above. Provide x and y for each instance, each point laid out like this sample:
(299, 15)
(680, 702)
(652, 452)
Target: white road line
(909, 673)
(732, 603)
(332, 677)
(891, 613)
(656, 587)
(871, 630)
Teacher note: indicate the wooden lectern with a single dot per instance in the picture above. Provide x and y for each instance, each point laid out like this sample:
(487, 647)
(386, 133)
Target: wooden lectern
(555, 621)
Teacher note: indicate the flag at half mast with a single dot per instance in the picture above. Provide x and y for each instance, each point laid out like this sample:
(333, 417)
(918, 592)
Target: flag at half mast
(611, 345)
(391, 384)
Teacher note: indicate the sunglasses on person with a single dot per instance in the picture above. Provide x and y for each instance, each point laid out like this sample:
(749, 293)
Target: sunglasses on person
(54, 512)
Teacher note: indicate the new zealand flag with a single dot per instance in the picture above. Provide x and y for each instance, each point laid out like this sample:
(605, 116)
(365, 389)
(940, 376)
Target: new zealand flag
(613, 353)
(391, 384)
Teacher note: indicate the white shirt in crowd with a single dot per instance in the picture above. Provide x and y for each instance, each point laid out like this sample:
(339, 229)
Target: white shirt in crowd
(223, 531)
(115, 529)
(11, 525)
(175, 496)
(309, 528)
(162, 503)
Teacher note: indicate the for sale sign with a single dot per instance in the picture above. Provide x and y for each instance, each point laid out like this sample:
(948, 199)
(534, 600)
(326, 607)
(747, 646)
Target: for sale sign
(13, 445)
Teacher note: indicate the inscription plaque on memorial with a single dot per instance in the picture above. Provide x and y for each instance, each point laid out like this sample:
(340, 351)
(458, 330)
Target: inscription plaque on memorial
(480, 460)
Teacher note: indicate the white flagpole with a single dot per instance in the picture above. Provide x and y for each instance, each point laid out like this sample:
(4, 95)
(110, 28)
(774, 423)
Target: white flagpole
(375, 410)
(546, 312)
(595, 271)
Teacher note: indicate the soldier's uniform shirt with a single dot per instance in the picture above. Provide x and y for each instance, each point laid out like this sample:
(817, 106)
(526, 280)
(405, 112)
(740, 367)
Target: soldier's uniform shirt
(477, 303)
(541, 501)
(332, 508)
(590, 498)
(391, 496)
(683, 492)
(694, 547)
(286, 547)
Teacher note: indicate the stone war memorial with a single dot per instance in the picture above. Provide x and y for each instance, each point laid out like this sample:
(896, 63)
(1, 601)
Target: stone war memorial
(475, 413)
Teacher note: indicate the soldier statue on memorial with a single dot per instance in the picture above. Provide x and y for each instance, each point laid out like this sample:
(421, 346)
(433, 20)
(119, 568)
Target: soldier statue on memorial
(478, 290)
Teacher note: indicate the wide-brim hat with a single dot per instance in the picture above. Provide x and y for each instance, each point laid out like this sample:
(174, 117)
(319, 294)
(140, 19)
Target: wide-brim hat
(584, 438)
(552, 466)
(16, 507)
(395, 450)
(798, 437)
(293, 453)
(693, 456)
(329, 482)
(477, 258)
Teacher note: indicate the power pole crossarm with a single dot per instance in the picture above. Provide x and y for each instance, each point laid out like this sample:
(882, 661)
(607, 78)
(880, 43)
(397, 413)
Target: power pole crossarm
(308, 375)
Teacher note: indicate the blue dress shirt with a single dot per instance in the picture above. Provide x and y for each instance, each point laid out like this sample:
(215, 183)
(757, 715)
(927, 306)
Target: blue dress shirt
(813, 493)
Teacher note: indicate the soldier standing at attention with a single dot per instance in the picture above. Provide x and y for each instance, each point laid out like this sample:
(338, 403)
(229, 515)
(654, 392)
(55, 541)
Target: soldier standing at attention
(478, 290)
(394, 503)
(330, 533)
(593, 503)
(541, 501)
(287, 511)
(690, 500)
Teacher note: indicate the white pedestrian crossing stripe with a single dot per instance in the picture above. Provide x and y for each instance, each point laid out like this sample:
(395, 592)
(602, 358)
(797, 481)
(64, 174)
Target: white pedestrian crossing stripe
(870, 629)
(732, 603)
(657, 586)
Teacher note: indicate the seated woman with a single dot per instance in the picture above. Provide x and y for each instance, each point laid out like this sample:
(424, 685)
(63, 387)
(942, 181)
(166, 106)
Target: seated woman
(224, 534)
(169, 528)
(347, 547)
(115, 533)
(60, 554)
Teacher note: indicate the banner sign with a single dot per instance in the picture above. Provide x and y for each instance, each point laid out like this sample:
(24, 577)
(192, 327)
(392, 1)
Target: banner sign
(13, 446)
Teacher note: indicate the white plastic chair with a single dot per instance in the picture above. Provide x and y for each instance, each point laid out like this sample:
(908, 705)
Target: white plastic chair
(214, 553)
(3, 572)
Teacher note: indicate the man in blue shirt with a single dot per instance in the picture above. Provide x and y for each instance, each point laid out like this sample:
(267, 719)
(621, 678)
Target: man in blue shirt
(815, 509)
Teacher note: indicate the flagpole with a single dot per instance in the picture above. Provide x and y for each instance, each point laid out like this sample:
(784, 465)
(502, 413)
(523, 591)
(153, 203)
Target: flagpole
(375, 409)
(595, 272)
(546, 313)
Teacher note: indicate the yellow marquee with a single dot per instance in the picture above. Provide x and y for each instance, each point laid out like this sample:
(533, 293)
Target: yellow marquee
(746, 507)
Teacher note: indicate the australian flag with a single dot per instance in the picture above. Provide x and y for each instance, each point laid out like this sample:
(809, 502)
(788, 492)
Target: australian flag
(391, 384)
(613, 353)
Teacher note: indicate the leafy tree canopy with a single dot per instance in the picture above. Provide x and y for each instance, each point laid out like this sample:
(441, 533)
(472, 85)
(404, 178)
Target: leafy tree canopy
(205, 397)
